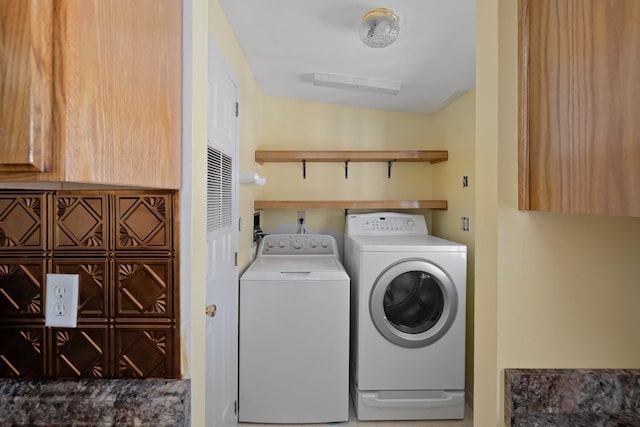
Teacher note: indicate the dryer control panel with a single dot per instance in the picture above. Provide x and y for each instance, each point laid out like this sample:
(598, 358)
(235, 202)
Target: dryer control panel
(386, 223)
(298, 244)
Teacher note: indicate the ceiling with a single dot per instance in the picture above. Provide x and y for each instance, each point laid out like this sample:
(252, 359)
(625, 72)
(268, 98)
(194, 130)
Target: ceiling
(286, 41)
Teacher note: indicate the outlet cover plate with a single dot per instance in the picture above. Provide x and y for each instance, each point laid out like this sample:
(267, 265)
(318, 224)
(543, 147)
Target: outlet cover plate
(61, 308)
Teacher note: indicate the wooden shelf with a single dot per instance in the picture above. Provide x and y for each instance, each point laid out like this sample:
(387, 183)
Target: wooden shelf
(351, 204)
(284, 156)
(389, 156)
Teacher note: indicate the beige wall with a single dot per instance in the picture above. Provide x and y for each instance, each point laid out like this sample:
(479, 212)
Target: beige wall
(192, 260)
(553, 291)
(296, 124)
(456, 130)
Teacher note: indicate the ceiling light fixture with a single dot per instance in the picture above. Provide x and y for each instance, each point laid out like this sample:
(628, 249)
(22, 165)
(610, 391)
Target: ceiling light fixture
(354, 83)
(379, 28)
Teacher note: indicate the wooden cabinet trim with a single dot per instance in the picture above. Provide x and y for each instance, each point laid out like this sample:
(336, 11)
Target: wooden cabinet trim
(523, 102)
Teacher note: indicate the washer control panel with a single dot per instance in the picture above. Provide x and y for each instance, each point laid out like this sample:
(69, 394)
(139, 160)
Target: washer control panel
(294, 244)
(385, 223)
(393, 224)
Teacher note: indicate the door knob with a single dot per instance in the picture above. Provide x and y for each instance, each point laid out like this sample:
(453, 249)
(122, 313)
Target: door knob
(211, 310)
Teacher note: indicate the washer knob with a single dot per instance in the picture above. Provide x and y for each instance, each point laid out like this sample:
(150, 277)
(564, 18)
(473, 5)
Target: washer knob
(281, 243)
(297, 244)
(324, 244)
(270, 244)
(313, 244)
(410, 223)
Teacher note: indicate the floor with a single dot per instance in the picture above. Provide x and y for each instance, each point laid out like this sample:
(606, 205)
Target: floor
(353, 422)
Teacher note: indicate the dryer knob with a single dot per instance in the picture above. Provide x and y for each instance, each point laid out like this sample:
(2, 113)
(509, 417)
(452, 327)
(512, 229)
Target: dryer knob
(324, 243)
(281, 243)
(410, 223)
(297, 244)
(313, 244)
(270, 244)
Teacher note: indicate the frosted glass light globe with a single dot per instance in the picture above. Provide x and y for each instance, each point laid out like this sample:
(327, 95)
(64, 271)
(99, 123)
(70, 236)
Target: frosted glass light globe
(379, 28)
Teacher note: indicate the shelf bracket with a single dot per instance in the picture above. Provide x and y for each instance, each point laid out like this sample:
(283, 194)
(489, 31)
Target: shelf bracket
(389, 168)
(304, 169)
(346, 169)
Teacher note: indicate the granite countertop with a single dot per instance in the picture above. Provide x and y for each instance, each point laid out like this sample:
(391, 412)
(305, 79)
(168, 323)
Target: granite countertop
(130, 402)
(572, 397)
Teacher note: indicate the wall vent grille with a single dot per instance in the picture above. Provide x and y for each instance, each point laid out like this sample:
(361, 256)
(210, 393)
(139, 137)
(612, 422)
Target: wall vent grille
(219, 190)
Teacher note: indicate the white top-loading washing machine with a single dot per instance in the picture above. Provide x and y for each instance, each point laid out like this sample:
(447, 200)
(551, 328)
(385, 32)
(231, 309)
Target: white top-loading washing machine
(294, 332)
(408, 293)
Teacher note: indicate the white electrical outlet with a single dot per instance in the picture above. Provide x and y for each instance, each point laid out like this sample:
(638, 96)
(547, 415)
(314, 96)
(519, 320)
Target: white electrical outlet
(62, 300)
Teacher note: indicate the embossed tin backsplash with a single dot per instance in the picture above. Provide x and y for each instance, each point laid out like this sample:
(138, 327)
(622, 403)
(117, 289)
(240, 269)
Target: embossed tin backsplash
(122, 245)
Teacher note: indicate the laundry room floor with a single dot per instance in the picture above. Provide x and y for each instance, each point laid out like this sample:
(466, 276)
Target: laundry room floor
(353, 422)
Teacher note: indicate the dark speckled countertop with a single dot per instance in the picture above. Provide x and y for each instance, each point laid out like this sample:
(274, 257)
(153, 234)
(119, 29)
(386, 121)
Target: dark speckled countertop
(126, 402)
(572, 397)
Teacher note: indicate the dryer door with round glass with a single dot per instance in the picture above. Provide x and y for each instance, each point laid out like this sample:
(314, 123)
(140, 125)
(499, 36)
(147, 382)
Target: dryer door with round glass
(413, 303)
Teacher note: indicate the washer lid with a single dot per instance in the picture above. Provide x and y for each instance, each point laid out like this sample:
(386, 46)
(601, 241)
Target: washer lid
(296, 268)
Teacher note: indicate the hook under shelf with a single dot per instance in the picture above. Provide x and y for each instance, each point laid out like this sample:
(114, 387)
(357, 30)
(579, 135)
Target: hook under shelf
(346, 168)
(389, 164)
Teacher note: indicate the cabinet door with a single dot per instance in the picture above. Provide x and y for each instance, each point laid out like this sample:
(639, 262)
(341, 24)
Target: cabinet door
(580, 106)
(121, 105)
(26, 66)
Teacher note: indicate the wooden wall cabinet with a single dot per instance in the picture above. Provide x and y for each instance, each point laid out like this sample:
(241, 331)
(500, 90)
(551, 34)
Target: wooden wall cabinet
(91, 91)
(579, 106)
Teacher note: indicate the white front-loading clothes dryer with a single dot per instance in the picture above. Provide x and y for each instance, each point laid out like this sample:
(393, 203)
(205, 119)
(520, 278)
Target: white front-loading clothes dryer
(408, 294)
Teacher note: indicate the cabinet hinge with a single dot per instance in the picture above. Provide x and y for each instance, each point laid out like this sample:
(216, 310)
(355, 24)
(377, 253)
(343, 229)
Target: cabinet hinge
(235, 407)
(237, 109)
(235, 259)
